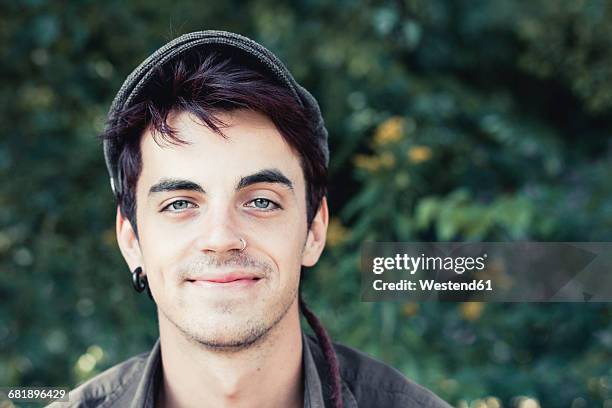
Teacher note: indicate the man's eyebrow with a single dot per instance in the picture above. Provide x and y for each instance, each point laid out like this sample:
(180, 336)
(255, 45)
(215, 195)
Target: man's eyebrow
(262, 176)
(265, 176)
(174, 185)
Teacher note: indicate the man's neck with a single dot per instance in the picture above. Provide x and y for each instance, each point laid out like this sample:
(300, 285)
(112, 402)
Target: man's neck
(268, 374)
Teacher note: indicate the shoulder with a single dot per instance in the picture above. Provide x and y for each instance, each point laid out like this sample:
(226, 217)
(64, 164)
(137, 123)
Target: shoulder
(374, 383)
(107, 388)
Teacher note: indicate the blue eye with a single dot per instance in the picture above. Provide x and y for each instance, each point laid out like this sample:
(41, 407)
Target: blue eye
(178, 206)
(264, 204)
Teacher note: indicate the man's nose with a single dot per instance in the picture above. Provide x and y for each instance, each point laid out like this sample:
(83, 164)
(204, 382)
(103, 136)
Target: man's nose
(219, 229)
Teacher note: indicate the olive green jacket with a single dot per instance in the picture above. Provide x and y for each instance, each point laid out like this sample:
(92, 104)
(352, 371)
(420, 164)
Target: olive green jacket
(366, 382)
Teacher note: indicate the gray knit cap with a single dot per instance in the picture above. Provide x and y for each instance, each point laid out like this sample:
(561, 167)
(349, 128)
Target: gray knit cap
(230, 44)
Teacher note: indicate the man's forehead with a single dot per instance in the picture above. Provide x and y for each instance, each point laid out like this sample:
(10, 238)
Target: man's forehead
(251, 144)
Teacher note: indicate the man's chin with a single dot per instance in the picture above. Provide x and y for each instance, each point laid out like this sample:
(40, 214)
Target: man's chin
(226, 325)
(227, 341)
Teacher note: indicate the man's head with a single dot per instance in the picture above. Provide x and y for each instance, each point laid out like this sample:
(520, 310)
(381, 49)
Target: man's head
(204, 85)
(214, 153)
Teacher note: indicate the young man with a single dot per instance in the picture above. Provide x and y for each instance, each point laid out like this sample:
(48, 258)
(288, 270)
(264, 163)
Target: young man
(218, 162)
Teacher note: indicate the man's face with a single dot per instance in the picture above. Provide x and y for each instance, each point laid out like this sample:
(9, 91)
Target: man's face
(194, 204)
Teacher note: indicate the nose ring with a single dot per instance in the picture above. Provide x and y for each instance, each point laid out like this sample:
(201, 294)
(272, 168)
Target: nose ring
(244, 244)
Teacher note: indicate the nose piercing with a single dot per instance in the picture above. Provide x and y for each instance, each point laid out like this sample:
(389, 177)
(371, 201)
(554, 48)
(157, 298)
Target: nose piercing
(244, 244)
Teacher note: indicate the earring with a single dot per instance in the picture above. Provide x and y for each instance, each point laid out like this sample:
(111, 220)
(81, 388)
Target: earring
(139, 280)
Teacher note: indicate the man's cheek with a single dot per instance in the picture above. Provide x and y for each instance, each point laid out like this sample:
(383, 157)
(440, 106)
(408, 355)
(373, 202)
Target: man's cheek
(160, 253)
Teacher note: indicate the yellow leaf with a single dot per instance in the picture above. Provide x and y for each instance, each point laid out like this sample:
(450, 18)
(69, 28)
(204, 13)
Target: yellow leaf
(410, 309)
(389, 131)
(471, 310)
(336, 232)
(418, 154)
(368, 163)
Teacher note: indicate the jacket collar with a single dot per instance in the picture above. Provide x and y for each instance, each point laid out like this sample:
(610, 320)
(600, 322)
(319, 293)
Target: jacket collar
(313, 391)
(313, 365)
(150, 380)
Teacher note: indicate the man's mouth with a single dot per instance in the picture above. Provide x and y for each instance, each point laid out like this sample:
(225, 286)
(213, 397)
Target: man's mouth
(227, 280)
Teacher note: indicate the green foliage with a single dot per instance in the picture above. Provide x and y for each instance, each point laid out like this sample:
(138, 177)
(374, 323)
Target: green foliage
(449, 120)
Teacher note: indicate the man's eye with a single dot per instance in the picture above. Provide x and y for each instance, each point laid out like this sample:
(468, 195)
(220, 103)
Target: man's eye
(263, 204)
(178, 205)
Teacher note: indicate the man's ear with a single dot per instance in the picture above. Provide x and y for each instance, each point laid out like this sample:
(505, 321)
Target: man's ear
(128, 243)
(315, 242)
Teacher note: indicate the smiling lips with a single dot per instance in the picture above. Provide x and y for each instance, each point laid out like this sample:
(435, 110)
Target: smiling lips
(224, 280)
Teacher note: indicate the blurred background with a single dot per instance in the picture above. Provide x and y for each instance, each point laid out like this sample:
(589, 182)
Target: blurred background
(449, 121)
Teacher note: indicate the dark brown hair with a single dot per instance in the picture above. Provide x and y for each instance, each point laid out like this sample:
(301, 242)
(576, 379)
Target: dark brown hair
(205, 86)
